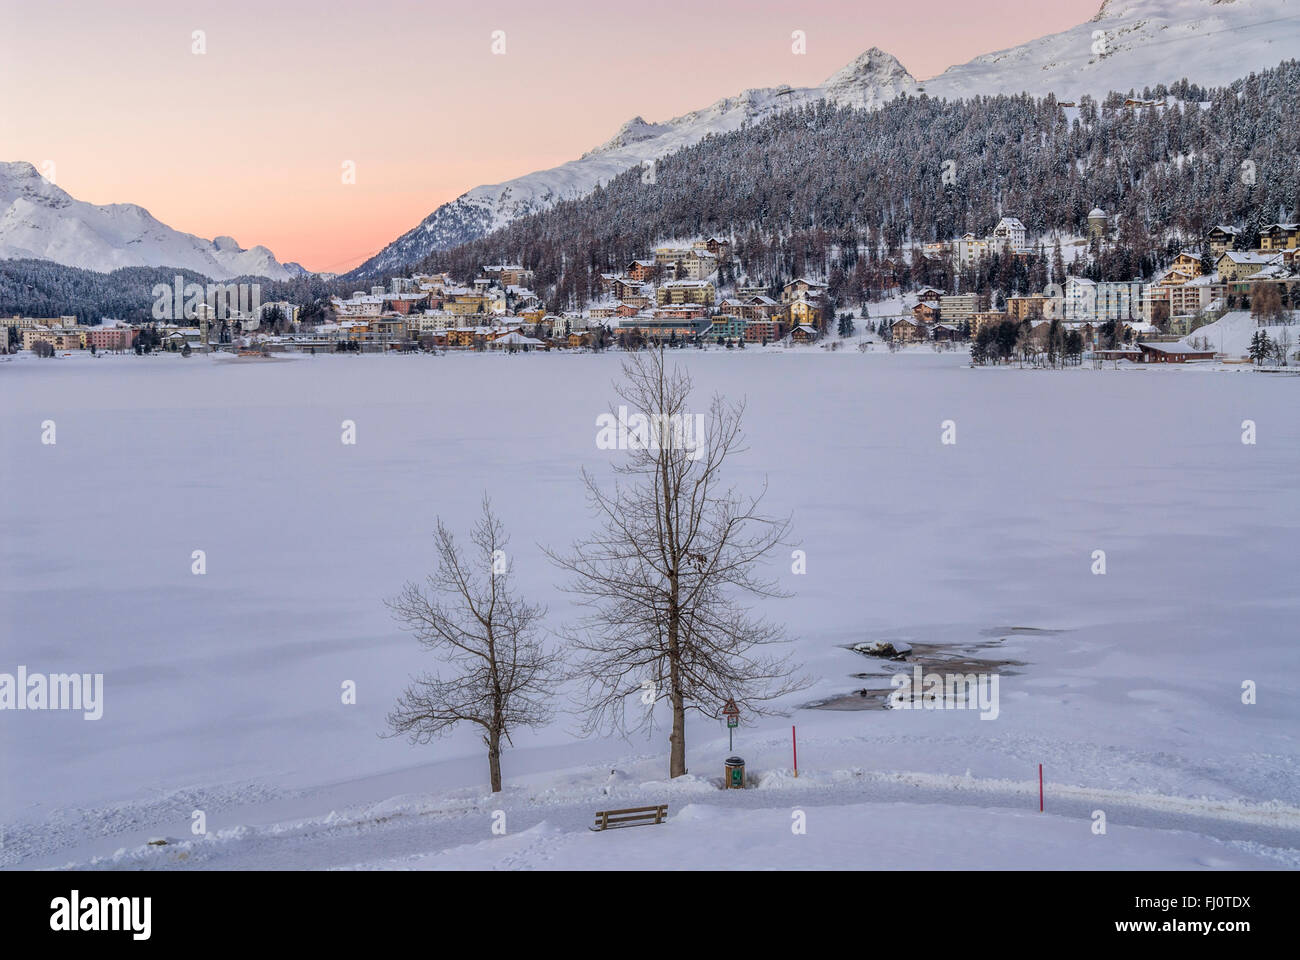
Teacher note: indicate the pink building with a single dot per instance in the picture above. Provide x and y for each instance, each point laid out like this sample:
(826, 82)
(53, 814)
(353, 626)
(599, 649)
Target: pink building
(111, 337)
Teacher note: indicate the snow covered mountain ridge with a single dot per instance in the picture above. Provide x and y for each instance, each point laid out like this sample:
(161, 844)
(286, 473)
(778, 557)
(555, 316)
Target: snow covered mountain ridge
(870, 81)
(42, 221)
(1131, 44)
(1128, 44)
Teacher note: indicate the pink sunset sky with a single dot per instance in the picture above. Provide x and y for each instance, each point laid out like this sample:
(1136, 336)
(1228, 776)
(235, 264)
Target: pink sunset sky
(248, 139)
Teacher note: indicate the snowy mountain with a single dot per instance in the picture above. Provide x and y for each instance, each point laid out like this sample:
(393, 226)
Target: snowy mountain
(1129, 44)
(872, 79)
(41, 220)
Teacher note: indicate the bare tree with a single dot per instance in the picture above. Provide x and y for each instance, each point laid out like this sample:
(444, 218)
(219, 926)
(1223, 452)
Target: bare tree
(662, 577)
(1266, 304)
(1282, 346)
(498, 675)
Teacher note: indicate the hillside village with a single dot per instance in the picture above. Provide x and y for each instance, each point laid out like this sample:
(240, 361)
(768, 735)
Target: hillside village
(687, 294)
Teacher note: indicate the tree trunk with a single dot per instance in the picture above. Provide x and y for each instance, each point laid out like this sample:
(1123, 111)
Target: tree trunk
(677, 761)
(494, 759)
(677, 755)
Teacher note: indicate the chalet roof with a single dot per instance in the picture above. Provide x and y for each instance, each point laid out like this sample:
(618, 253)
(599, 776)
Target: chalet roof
(1170, 348)
(1250, 256)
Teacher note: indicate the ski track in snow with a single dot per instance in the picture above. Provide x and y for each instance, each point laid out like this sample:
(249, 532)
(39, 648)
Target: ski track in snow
(399, 832)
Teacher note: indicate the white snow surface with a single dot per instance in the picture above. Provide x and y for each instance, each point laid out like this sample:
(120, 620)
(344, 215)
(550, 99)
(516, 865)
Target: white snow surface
(222, 691)
(41, 220)
(1138, 43)
(1231, 334)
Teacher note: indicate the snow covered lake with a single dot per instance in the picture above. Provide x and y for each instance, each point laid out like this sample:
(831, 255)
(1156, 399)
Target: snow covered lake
(222, 691)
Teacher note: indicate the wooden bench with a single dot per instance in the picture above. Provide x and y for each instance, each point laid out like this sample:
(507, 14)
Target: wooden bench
(629, 818)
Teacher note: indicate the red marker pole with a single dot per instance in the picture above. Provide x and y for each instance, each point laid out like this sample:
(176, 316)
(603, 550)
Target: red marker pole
(794, 743)
(1040, 788)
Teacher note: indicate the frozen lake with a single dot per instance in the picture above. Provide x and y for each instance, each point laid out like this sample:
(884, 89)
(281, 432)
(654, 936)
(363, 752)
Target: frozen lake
(222, 691)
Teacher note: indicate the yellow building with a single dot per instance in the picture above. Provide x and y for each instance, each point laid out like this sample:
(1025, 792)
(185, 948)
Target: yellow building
(1188, 263)
(60, 338)
(1279, 236)
(1238, 264)
(463, 336)
(466, 304)
(1036, 306)
(804, 313)
(686, 291)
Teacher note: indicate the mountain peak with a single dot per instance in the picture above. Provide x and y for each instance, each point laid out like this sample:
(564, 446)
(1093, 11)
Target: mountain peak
(871, 64)
(40, 220)
(874, 77)
(634, 131)
(18, 178)
(17, 170)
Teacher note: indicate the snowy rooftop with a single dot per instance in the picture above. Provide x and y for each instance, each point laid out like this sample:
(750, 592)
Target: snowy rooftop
(1250, 256)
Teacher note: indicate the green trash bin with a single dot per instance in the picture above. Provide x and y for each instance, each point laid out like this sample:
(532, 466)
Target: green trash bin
(735, 774)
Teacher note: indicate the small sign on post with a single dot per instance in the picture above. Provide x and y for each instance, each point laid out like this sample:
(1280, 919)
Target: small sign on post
(732, 713)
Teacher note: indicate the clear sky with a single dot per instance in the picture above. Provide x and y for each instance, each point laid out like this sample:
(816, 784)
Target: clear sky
(249, 138)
